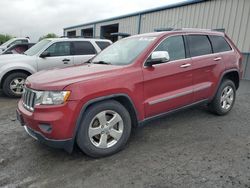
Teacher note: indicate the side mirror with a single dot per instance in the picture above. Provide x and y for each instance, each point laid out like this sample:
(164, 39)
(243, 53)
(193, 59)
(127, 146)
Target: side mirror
(45, 54)
(158, 57)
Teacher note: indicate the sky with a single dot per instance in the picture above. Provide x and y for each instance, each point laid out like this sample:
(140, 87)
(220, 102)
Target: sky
(35, 18)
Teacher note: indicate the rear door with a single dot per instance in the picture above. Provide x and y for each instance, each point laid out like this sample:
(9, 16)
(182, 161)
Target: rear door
(59, 56)
(83, 51)
(224, 51)
(206, 66)
(168, 85)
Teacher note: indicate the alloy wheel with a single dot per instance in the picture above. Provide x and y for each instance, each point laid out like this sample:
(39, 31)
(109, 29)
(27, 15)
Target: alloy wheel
(106, 129)
(227, 98)
(17, 85)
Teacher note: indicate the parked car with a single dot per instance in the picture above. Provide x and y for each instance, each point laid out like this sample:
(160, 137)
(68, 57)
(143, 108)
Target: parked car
(12, 42)
(47, 54)
(134, 80)
(18, 48)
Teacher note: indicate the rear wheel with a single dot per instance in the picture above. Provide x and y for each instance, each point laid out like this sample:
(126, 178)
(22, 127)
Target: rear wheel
(13, 84)
(224, 99)
(105, 129)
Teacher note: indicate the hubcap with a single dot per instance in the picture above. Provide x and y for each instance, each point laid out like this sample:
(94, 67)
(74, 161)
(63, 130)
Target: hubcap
(17, 85)
(227, 97)
(106, 129)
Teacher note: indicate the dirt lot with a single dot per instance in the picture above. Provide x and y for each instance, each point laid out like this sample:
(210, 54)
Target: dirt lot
(192, 148)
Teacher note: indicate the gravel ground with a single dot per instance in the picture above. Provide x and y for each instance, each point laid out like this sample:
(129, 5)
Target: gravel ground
(192, 148)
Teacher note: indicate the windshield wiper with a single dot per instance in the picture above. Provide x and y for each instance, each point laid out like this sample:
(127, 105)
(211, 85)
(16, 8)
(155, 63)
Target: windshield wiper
(102, 62)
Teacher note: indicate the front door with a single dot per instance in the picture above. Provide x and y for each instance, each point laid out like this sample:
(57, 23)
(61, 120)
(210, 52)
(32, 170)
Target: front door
(168, 85)
(59, 56)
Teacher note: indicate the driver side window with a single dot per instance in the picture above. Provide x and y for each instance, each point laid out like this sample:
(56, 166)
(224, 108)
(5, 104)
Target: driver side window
(174, 46)
(59, 49)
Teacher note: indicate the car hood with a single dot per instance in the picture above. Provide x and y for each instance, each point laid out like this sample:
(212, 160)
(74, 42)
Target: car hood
(58, 79)
(13, 58)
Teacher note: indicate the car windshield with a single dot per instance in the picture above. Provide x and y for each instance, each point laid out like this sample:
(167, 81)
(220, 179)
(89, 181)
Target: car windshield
(37, 48)
(123, 52)
(8, 42)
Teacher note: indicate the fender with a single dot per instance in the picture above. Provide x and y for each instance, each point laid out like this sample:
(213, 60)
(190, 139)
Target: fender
(16, 66)
(83, 109)
(221, 77)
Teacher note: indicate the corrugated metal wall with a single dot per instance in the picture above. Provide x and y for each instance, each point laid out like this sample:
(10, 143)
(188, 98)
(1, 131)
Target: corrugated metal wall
(233, 15)
(246, 66)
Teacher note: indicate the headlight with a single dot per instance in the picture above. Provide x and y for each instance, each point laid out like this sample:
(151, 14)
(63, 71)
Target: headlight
(51, 97)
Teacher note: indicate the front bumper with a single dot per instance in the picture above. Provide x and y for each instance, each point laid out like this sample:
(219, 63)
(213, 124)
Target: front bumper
(67, 145)
(61, 119)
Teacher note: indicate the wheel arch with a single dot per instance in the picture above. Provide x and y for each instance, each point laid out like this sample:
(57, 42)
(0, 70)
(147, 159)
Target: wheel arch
(13, 71)
(232, 74)
(124, 99)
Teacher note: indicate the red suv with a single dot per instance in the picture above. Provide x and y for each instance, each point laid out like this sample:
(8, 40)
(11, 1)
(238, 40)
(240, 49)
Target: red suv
(136, 79)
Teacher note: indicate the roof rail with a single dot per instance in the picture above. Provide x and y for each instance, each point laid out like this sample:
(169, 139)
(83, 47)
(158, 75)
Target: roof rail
(164, 29)
(218, 30)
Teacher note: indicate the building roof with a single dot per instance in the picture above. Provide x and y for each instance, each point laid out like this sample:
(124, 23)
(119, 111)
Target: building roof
(184, 3)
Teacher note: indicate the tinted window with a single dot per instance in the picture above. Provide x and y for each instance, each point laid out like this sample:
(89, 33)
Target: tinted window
(219, 44)
(174, 46)
(102, 45)
(59, 49)
(83, 48)
(199, 45)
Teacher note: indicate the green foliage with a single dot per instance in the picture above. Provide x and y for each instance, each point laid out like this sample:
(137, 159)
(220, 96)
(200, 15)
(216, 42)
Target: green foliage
(4, 38)
(49, 35)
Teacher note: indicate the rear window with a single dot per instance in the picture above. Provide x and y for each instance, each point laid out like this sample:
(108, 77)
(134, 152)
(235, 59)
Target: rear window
(102, 45)
(83, 48)
(199, 45)
(219, 44)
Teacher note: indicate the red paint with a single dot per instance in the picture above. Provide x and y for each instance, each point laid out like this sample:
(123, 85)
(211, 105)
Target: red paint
(144, 86)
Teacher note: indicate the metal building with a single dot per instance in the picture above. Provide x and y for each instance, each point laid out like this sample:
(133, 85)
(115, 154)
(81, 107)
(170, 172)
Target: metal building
(232, 16)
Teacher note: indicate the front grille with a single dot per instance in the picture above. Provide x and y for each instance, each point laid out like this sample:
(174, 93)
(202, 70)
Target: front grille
(29, 97)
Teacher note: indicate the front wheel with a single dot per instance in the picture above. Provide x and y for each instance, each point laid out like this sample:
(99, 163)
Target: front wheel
(224, 99)
(13, 84)
(105, 129)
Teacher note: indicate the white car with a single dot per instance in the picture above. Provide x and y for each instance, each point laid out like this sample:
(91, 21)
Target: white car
(12, 42)
(47, 54)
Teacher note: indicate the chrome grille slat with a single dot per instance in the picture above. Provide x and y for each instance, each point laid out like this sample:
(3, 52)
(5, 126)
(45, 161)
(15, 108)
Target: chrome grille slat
(29, 97)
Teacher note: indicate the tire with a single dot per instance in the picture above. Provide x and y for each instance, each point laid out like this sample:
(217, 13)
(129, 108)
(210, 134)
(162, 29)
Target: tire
(9, 84)
(115, 135)
(217, 105)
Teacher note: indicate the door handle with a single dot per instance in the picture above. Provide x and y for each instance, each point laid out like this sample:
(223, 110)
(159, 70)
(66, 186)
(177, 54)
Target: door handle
(217, 59)
(185, 65)
(65, 61)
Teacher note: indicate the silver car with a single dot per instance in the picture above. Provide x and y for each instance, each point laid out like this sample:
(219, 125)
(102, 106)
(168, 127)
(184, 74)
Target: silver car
(47, 54)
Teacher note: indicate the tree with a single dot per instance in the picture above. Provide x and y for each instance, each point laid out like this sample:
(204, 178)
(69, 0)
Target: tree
(49, 35)
(4, 38)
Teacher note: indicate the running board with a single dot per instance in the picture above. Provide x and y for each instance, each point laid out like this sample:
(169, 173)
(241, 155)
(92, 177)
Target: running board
(141, 123)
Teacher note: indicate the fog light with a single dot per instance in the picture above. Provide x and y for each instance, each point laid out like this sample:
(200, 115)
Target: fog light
(45, 128)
